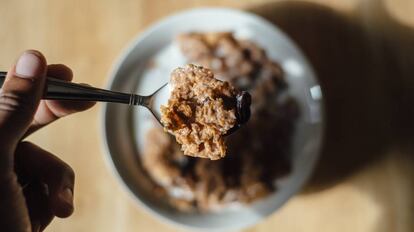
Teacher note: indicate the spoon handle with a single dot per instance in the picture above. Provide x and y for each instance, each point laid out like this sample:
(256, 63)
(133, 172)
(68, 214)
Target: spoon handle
(63, 90)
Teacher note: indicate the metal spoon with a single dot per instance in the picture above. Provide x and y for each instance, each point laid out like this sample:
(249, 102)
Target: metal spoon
(63, 90)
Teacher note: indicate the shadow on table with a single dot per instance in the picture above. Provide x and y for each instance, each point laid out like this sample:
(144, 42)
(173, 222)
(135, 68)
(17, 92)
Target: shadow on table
(365, 64)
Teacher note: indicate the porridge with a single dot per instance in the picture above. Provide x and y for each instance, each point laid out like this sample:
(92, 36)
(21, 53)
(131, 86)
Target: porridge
(257, 154)
(200, 111)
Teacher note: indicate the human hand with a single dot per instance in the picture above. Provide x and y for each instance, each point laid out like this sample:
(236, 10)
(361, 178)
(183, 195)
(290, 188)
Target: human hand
(35, 186)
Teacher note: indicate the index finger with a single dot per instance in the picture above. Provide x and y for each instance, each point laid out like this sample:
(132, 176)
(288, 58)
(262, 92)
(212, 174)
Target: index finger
(51, 110)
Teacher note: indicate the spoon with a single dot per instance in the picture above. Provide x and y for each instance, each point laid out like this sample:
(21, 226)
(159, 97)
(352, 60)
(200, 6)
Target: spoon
(63, 90)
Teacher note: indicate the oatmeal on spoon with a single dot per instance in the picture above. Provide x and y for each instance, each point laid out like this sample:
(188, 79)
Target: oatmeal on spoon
(202, 110)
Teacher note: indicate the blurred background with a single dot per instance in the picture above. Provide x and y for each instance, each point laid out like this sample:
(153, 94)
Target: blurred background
(363, 54)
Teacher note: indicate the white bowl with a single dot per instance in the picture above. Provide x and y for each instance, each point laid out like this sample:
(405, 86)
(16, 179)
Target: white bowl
(124, 127)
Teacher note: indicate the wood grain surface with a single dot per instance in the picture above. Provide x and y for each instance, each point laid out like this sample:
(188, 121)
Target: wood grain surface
(363, 52)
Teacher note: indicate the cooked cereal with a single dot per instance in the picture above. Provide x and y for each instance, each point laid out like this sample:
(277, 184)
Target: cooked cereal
(200, 111)
(257, 154)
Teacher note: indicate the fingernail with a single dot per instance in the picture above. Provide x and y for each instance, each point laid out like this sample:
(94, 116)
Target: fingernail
(67, 195)
(28, 65)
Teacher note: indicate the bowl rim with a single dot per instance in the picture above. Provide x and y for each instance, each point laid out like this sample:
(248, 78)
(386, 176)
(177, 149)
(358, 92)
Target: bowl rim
(120, 59)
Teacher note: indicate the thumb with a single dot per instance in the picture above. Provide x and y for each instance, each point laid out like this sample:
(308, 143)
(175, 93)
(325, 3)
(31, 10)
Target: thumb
(20, 97)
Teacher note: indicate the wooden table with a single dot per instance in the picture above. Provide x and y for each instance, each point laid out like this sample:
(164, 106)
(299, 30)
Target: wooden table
(363, 52)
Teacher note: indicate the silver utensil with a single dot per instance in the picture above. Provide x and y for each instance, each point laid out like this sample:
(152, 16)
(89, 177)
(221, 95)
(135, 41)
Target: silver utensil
(63, 90)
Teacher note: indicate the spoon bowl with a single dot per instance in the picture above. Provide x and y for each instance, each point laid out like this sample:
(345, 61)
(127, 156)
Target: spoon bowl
(160, 97)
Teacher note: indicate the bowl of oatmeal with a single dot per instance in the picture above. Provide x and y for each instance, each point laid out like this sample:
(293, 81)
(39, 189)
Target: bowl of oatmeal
(217, 182)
